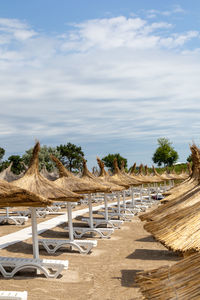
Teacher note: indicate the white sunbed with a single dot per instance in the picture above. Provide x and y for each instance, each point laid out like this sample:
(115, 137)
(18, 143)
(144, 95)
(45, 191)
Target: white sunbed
(52, 245)
(123, 216)
(9, 266)
(101, 221)
(81, 231)
(26, 213)
(13, 295)
(17, 220)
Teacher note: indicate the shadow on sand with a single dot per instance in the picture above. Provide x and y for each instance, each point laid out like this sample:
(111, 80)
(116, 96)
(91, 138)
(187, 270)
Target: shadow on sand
(147, 254)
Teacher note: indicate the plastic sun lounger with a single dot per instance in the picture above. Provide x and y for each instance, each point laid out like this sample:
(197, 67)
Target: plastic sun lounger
(17, 220)
(100, 221)
(13, 295)
(40, 213)
(9, 266)
(123, 216)
(52, 245)
(81, 231)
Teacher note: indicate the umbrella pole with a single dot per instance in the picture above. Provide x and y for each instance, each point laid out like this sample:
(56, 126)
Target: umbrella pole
(70, 224)
(149, 192)
(118, 202)
(90, 210)
(106, 206)
(157, 190)
(124, 202)
(34, 233)
(7, 212)
(141, 193)
(133, 196)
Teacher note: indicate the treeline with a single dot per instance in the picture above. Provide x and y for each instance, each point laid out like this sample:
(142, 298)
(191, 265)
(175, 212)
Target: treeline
(69, 154)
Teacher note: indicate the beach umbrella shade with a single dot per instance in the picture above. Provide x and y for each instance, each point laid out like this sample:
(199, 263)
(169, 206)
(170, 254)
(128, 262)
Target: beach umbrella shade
(8, 175)
(179, 281)
(13, 196)
(33, 181)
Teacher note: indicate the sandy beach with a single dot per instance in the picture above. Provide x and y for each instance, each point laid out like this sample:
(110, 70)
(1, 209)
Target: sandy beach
(107, 273)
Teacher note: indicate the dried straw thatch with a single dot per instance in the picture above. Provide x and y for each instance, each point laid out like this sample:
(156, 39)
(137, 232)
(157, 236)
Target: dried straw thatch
(33, 181)
(50, 176)
(191, 181)
(11, 196)
(69, 181)
(140, 176)
(178, 231)
(132, 179)
(185, 195)
(125, 179)
(133, 169)
(178, 203)
(8, 175)
(90, 178)
(179, 281)
(104, 177)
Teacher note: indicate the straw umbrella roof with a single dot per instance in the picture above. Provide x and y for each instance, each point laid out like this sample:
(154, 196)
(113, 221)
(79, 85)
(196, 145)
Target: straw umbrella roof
(178, 231)
(133, 180)
(90, 178)
(133, 169)
(33, 181)
(50, 176)
(11, 196)
(139, 176)
(155, 176)
(111, 179)
(104, 177)
(123, 177)
(179, 281)
(187, 194)
(187, 199)
(8, 175)
(147, 178)
(68, 180)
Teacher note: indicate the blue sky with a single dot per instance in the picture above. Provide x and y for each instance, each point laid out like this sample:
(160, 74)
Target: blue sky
(110, 76)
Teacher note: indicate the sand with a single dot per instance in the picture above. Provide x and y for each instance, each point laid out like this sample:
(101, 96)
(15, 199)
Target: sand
(107, 273)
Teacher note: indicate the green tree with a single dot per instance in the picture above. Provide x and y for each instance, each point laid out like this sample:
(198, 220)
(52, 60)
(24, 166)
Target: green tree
(2, 152)
(17, 166)
(71, 156)
(44, 157)
(165, 153)
(189, 159)
(109, 159)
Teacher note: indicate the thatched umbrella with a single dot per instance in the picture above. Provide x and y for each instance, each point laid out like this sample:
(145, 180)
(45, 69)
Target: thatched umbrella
(119, 179)
(106, 178)
(113, 179)
(50, 176)
(179, 281)
(8, 175)
(178, 231)
(13, 196)
(185, 195)
(191, 181)
(123, 176)
(134, 181)
(67, 180)
(33, 181)
(89, 184)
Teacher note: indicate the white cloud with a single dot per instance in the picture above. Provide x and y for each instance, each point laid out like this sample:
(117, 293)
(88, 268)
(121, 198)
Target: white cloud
(175, 9)
(109, 79)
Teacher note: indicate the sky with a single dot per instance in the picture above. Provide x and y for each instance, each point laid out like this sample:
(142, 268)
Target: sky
(109, 76)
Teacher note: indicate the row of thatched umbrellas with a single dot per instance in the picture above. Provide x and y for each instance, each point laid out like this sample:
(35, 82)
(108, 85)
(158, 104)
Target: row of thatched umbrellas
(176, 224)
(34, 190)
